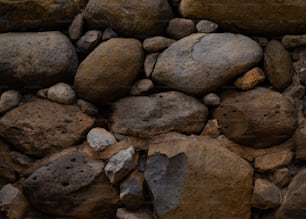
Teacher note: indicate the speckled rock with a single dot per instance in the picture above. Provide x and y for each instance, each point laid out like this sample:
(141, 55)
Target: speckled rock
(205, 26)
(100, 138)
(61, 93)
(9, 100)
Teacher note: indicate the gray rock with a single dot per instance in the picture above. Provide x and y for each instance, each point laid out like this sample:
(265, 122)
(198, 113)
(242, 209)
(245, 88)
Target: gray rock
(211, 99)
(295, 91)
(149, 63)
(120, 165)
(108, 34)
(292, 41)
(88, 41)
(61, 93)
(156, 44)
(87, 107)
(142, 87)
(100, 138)
(202, 63)
(180, 27)
(76, 28)
(205, 26)
(9, 100)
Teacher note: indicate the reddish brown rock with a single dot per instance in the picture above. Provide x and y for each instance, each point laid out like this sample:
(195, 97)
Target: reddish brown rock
(250, 79)
(212, 129)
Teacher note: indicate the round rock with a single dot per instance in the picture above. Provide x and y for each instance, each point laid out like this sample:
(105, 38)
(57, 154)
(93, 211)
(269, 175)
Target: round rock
(211, 100)
(61, 93)
(100, 138)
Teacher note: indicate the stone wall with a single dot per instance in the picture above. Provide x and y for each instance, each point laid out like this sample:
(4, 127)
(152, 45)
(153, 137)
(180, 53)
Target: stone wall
(152, 109)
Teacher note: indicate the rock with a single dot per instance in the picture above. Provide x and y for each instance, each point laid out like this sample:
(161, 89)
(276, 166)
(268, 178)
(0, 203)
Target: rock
(145, 116)
(61, 93)
(88, 41)
(76, 28)
(278, 65)
(149, 63)
(9, 100)
(282, 177)
(87, 107)
(268, 118)
(212, 129)
(125, 214)
(42, 93)
(108, 34)
(20, 159)
(209, 164)
(13, 202)
(44, 58)
(99, 80)
(212, 62)
(295, 91)
(265, 195)
(142, 87)
(157, 43)
(211, 99)
(100, 138)
(272, 18)
(131, 191)
(180, 27)
(300, 143)
(292, 41)
(250, 79)
(273, 161)
(205, 26)
(120, 165)
(33, 128)
(262, 41)
(72, 185)
(129, 18)
(300, 64)
(44, 14)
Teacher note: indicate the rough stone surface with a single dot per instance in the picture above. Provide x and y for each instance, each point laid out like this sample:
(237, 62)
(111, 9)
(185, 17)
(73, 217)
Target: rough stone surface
(72, 185)
(278, 65)
(88, 42)
(300, 142)
(268, 118)
(274, 18)
(76, 28)
(205, 26)
(180, 27)
(156, 44)
(250, 79)
(265, 195)
(120, 165)
(300, 64)
(149, 63)
(292, 41)
(273, 161)
(61, 93)
(87, 107)
(213, 187)
(42, 93)
(129, 18)
(212, 129)
(295, 91)
(9, 100)
(33, 128)
(100, 138)
(142, 87)
(282, 177)
(108, 34)
(202, 63)
(159, 113)
(126, 214)
(211, 99)
(36, 59)
(99, 80)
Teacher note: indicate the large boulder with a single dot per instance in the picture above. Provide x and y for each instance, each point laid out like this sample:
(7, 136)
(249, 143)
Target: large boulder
(37, 14)
(257, 118)
(109, 71)
(36, 59)
(144, 116)
(201, 63)
(255, 17)
(198, 177)
(41, 126)
(130, 18)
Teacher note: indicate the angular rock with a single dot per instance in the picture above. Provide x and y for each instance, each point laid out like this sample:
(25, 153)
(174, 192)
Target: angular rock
(282, 177)
(72, 185)
(108, 34)
(76, 28)
(180, 27)
(88, 41)
(129, 18)
(212, 129)
(33, 128)
(203, 63)
(211, 99)
(120, 165)
(125, 214)
(87, 107)
(265, 195)
(142, 87)
(213, 187)
(14, 15)
(149, 63)
(250, 79)
(267, 119)
(205, 26)
(295, 91)
(274, 18)
(9, 100)
(61, 93)
(44, 58)
(156, 44)
(100, 138)
(292, 41)
(278, 65)
(145, 116)
(273, 161)
(108, 72)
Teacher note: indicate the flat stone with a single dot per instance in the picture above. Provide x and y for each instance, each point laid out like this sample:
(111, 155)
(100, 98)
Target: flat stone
(100, 138)
(149, 63)
(292, 41)
(250, 79)
(61, 93)
(156, 44)
(282, 177)
(9, 100)
(88, 42)
(205, 26)
(142, 87)
(180, 27)
(76, 27)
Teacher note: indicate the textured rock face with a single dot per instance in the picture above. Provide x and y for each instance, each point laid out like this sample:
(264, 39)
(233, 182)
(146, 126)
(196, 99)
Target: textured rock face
(201, 63)
(33, 128)
(158, 113)
(108, 72)
(36, 59)
(268, 118)
(272, 17)
(129, 18)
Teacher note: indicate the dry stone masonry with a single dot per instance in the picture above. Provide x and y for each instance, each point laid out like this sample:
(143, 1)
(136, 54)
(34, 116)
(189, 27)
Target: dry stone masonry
(164, 109)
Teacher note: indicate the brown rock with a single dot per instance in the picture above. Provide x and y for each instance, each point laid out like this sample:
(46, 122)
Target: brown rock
(142, 87)
(278, 65)
(250, 79)
(282, 177)
(180, 27)
(212, 129)
(9, 100)
(211, 99)
(300, 64)
(295, 91)
(88, 42)
(108, 34)
(149, 63)
(126, 214)
(268, 118)
(292, 41)
(156, 44)
(76, 28)
(300, 143)
(87, 107)
(108, 72)
(33, 128)
(158, 113)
